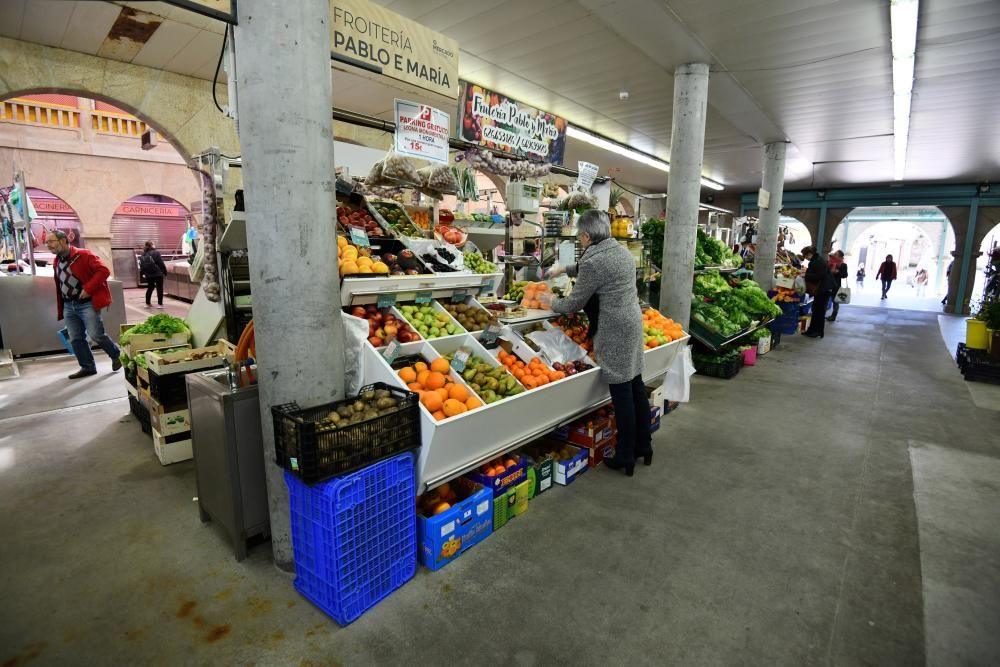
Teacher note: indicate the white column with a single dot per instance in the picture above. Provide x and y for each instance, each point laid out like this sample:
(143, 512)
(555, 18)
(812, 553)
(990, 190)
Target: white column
(687, 148)
(284, 89)
(767, 226)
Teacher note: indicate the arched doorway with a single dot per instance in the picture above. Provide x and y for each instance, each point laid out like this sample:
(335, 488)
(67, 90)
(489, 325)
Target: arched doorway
(147, 217)
(990, 254)
(793, 235)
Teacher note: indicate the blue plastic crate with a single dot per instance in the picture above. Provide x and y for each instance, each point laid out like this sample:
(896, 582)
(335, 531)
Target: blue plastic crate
(354, 538)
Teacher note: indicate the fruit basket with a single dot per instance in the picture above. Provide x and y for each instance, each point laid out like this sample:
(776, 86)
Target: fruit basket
(313, 445)
(351, 212)
(450, 234)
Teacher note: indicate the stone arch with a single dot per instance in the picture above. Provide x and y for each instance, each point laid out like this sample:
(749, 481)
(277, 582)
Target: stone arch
(180, 107)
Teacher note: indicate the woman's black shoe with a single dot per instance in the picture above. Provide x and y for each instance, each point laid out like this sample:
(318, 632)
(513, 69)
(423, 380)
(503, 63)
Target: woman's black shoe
(812, 334)
(615, 465)
(647, 458)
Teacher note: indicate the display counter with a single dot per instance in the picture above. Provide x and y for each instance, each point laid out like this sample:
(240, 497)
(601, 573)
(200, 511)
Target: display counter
(178, 283)
(28, 323)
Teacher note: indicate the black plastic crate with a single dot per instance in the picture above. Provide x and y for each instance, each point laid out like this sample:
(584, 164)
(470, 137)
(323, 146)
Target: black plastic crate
(719, 369)
(141, 414)
(315, 450)
(170, 390)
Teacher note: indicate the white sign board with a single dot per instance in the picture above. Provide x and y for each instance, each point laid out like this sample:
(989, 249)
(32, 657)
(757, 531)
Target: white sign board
(422, 131)
(763, 198)
(587, 175)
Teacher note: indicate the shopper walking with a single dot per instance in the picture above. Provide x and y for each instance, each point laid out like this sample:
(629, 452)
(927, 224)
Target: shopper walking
(818, 283)
(152, 268)
(81, 294)
(838, 276)
(605, 278)
(947, 282)
(859, 278)
(886, 273)
(920, 280)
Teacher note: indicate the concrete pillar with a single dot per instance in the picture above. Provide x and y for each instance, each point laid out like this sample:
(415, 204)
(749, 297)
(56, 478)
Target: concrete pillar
(283, 54)
(687, 149)
(767, 226)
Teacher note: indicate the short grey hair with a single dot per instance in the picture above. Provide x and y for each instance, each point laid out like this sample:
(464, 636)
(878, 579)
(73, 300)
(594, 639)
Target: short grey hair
(595, 224)
(59, 234)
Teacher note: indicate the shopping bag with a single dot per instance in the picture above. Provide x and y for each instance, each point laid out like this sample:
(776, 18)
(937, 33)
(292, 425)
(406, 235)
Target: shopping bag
(677, 382)
(843, 295)
(355, 337)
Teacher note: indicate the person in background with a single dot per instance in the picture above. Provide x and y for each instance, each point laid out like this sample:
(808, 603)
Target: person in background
(947, 282)
(532, 272)
(81, 294)
(606, 274)
(818, 283)
(152, 268)
(838, 275)
(921, 282)
(859, 277)
(886, 273)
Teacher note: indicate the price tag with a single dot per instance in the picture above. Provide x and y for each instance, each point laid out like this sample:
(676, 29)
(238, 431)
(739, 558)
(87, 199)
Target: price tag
(359, 237)
(458, 296)
(488, 285)
(386, 300)
(490, 333)
(423, 297)
(391, 351)
(459, 360)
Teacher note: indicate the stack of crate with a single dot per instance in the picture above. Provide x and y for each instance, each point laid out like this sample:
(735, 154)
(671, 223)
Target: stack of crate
(169, 414)
(138, 384)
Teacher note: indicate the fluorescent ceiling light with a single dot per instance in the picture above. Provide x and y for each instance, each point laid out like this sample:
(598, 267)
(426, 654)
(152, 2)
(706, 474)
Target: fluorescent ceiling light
(903, 20)
(625, 151)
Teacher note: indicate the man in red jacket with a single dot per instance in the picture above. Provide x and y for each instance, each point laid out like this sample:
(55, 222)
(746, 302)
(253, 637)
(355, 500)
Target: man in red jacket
(81, 294)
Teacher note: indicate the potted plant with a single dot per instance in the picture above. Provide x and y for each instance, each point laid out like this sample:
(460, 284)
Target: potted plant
(989, 313)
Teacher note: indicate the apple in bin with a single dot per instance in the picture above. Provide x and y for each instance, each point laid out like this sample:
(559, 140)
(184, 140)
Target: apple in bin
(376, 341)
(359, 311)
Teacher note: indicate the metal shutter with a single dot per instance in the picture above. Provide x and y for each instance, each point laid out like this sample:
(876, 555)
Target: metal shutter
(131, 232)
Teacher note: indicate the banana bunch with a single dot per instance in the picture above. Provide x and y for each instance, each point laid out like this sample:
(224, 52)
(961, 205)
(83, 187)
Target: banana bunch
(516, 291)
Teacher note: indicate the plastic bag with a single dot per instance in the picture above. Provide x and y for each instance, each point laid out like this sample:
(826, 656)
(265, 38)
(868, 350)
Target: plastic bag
(843, 295)
(556, 345)
(355, 337)
(397, 168)
(677, 382)
(438, 178)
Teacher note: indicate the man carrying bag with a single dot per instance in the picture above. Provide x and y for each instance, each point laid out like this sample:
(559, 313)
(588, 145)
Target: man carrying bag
(841, 294)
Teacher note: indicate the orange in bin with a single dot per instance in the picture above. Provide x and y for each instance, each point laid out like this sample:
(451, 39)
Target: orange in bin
(533, 374)
(532, 292)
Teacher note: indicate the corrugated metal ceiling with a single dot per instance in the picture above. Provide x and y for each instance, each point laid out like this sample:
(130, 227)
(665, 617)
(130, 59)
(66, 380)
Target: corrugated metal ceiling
(816, 72)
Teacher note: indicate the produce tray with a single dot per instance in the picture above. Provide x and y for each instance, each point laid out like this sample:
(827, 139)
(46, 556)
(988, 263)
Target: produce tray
(407, 227)
(354, 538)
(394, 246)
(314, 451)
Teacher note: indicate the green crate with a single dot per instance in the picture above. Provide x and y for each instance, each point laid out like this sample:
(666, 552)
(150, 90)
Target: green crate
(511, 503)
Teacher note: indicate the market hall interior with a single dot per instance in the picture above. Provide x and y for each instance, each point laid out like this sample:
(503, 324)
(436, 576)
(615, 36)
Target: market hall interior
(856, 525)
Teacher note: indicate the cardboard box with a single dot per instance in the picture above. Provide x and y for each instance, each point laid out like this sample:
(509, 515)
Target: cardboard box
(598, 453)
(510, 504)
(172, 448)
(184, 361)
(587, 432)
(170, 422)
(540, 476)
(446, 536)
(566, 471)
(499, 484)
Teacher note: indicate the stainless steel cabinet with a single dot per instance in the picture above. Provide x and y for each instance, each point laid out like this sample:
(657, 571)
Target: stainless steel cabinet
(228, 457)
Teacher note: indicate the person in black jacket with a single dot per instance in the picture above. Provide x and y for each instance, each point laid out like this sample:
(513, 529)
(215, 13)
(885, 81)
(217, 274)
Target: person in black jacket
(818, 283)
(152, 268)
(839, 275)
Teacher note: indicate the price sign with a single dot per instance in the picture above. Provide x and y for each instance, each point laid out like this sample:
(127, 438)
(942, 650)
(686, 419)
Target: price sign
(422, 131)
(359, 237)
(490, 333)
(391, 351)
(386, 300)
(423, 297)
(458, 296)
(459, 360)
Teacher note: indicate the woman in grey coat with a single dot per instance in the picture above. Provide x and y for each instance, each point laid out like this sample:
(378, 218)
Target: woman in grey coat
(606, 274)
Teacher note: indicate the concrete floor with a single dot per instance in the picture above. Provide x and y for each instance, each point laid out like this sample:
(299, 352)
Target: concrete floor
(834, 505)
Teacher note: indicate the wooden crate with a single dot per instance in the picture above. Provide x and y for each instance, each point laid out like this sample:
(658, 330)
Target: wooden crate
(189, 360)
(142, 342)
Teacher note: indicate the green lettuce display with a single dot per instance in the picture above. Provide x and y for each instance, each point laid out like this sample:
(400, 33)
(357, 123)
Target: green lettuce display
(157, 324)
(730, 307)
